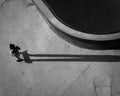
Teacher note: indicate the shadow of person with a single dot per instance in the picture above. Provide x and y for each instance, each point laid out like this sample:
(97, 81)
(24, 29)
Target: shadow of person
(70, 58)
(26, 57)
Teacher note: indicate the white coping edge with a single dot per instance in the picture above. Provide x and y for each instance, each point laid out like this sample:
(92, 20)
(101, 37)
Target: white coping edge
(71, 31)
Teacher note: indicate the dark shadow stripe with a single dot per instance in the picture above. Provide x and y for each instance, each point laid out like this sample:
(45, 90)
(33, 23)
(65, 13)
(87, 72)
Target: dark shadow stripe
(70, 58)
(82, 59)
(90, 44)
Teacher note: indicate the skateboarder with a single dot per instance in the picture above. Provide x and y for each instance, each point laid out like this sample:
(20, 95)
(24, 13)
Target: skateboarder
(14, 51)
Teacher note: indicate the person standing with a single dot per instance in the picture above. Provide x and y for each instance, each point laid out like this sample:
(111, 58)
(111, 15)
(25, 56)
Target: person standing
(14, 51)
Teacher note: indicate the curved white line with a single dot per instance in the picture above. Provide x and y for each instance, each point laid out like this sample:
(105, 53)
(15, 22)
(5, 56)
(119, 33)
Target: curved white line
(71, 31)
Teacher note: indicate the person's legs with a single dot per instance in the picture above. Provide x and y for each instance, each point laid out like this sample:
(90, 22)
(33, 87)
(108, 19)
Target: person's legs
(20, 60)
(18, 57)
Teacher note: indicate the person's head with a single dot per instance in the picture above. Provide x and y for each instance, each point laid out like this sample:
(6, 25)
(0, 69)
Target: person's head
(12, 46)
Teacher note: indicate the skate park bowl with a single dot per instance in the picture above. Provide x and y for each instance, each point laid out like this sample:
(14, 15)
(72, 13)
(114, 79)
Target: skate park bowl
(34, 27)
(84, 23)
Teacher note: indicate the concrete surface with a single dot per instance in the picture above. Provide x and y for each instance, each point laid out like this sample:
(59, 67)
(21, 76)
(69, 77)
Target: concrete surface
(25, 27)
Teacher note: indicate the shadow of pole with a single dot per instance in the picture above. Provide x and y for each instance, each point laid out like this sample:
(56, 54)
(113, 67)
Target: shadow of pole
(70, 58)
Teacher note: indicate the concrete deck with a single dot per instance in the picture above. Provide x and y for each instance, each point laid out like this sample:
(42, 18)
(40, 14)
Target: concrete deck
(24, 26)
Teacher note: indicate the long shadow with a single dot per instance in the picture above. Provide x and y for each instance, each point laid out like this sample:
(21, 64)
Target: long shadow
(70, 58)
(55, 55)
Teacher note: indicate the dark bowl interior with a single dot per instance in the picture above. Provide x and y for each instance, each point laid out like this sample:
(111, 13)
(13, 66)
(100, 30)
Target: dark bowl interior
(89, 16)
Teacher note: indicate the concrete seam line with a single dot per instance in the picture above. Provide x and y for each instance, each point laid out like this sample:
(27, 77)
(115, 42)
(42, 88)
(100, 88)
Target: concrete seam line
(76, 79)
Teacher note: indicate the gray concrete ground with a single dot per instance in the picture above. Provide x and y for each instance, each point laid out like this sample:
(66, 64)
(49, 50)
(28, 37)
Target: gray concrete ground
(25, 27)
